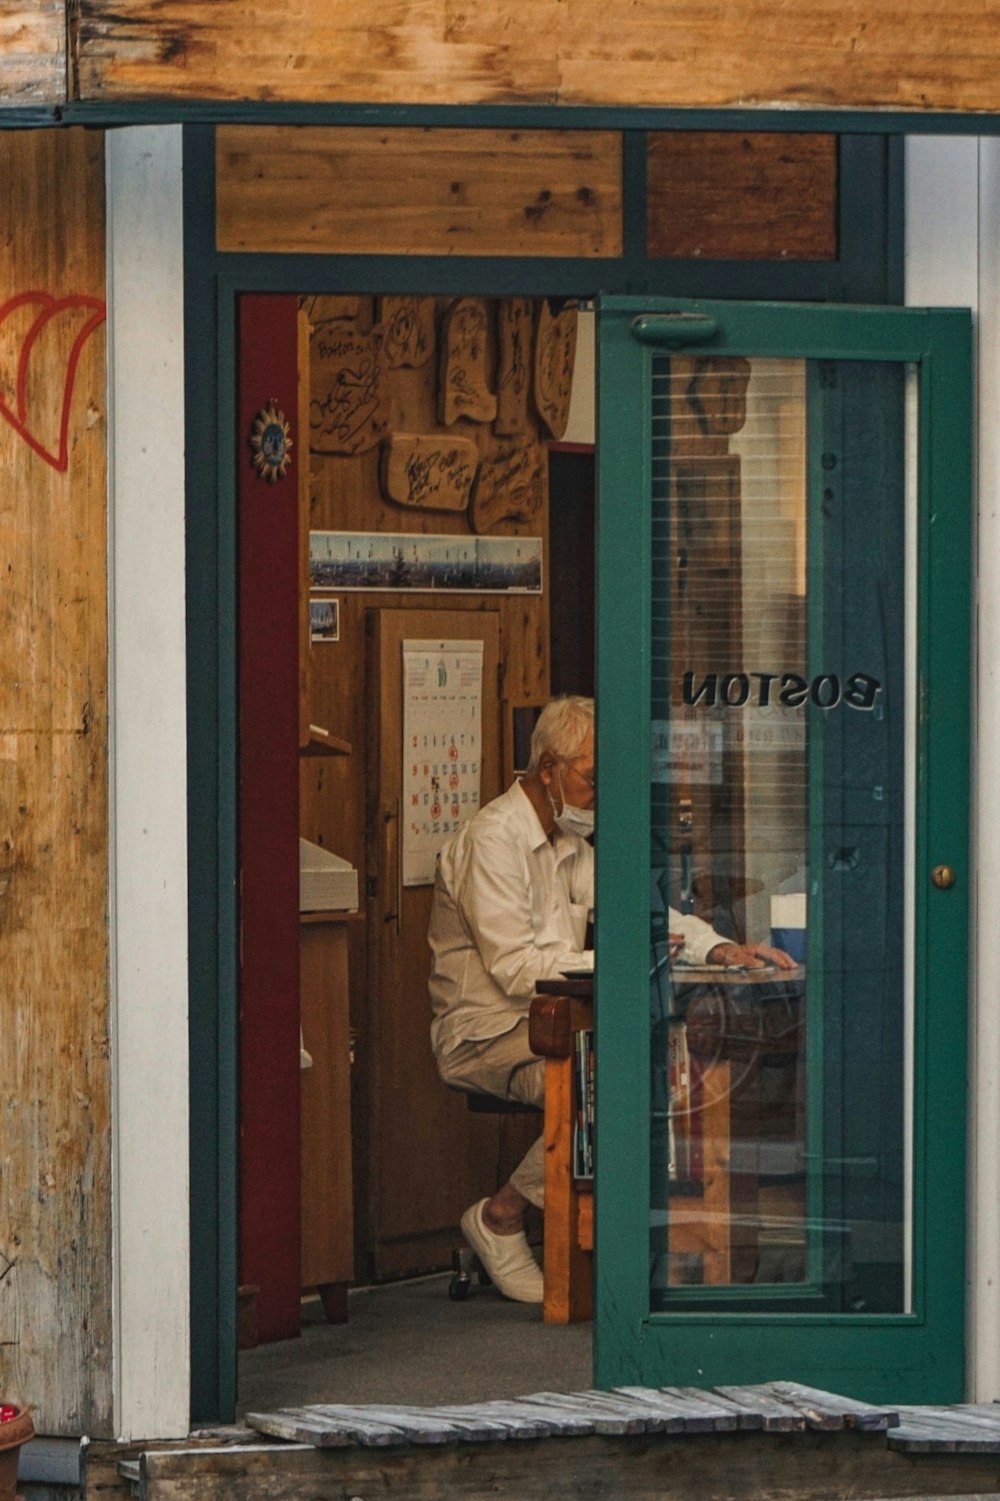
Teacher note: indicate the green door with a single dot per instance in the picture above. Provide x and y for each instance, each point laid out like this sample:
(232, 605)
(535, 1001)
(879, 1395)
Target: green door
(783, 750)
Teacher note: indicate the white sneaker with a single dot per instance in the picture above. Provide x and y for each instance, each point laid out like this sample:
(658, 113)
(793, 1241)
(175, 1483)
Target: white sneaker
(506, 1258)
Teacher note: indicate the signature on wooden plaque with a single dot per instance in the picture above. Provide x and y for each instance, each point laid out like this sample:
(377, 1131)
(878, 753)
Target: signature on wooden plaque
(407, 325)
(515, 322)
(555, 352)
(465, 385)
(509, 487)
(345, 375)
(433, 471)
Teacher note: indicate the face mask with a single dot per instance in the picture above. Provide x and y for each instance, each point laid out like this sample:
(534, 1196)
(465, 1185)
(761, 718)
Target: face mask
(571, 820)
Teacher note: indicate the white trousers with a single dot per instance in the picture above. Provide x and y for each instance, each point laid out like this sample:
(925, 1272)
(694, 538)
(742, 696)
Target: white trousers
(507, 1067)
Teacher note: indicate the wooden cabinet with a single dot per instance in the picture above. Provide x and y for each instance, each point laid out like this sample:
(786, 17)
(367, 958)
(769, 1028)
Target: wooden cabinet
(327, 1214)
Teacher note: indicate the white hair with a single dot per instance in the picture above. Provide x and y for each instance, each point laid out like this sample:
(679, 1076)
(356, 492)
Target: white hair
(561, 728)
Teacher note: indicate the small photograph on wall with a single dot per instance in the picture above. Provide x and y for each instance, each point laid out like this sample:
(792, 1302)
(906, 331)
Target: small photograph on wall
(324, 619)
(433, 563)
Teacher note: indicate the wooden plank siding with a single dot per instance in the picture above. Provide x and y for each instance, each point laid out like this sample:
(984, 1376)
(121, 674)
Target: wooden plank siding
(922, 55)
(358, 190)
(55, 1208)
(33, 52)
(726, 196)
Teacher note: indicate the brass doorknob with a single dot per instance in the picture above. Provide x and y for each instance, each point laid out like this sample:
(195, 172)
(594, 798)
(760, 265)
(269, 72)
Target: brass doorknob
(943, 876)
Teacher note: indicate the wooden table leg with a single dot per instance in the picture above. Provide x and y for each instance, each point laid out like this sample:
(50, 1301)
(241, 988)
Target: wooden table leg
(569, 1265)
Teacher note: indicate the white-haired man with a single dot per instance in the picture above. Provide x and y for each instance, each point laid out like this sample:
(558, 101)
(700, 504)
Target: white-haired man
(512, 896)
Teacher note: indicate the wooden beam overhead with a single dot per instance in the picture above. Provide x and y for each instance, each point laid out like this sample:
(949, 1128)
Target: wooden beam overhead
(924, 55)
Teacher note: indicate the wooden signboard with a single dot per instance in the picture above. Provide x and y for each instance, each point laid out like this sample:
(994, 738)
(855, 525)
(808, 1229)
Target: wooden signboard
(465, 382)
(432, 471)
(717, 394)
(345, 372)
(555, 351)
(515, 325)
(510, 486)
(407, 328)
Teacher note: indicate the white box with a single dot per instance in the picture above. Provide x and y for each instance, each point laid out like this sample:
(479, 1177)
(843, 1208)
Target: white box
(327, 882)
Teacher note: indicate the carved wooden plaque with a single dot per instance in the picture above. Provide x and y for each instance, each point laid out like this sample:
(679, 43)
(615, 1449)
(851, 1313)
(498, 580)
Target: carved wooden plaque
(509, 487)
(407, 327)
(555, 351)
(465, 384)
(717, 393)
(345, 380)
(515, 325)
(433, 471)
(320, 308)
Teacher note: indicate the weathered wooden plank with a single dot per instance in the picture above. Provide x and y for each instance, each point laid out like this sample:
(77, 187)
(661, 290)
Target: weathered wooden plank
(607, 1411)
(643, 1467)
(302, 1425)
(820, 1416)
(971, 1428)
(55, 1206)
(918, 56)
(861, 1415)
(725, 196)
(696, 1410)
(778, 1416)
(33, 52)
(368, 191)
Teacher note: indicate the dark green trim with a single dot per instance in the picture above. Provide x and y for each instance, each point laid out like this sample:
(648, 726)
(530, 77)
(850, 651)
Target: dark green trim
(211, 816)
(103, 113)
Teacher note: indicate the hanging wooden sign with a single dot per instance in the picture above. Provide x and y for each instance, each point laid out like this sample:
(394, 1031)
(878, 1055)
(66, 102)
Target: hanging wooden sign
(555, 352)
(717, 393)
(465, 386)
(509, 487)
(515, 324)
(345, 373)
(407, 328)
(322, 307)
(432, 471)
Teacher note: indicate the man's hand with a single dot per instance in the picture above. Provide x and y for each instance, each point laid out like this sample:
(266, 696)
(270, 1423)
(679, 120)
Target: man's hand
(675, 942)
(750, 956)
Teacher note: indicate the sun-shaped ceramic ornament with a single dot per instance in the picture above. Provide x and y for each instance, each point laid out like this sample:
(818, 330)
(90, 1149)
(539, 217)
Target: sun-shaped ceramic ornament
(271, 443)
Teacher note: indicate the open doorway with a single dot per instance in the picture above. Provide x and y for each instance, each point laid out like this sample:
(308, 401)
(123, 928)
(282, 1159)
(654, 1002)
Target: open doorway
(415, 476)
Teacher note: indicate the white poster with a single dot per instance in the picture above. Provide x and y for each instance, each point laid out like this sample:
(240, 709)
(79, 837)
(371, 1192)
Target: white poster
(442, 741)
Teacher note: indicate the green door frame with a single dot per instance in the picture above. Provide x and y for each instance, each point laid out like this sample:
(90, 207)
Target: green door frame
(869, 269)
(917, 1357)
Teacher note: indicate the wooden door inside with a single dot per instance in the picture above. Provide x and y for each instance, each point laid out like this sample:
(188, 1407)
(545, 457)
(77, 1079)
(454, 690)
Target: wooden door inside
(429, 1157)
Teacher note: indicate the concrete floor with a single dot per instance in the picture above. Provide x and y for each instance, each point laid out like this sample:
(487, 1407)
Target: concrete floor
(407, 1342)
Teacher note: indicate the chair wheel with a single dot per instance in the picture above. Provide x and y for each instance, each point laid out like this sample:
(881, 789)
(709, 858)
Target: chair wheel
(458, 1288)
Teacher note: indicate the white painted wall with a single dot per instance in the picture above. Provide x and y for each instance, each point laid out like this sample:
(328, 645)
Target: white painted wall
(953, 260)
(148, 899)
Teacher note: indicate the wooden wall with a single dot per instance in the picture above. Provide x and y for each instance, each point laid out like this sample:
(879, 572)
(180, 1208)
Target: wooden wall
(55, 1212)
(369, 190)
(346, 494)
(33, 52)
(930, 54)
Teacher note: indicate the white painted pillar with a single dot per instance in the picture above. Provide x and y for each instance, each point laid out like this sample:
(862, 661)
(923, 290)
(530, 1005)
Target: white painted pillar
(953, 259)
(148, 898)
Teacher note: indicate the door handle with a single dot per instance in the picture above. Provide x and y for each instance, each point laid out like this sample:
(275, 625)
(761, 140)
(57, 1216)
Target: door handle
(391, 860)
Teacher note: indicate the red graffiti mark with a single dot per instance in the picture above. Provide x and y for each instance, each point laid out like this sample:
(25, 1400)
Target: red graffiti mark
(48, 308)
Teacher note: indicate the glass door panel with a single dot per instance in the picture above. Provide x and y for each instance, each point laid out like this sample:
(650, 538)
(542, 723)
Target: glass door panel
(777, 802)
(783, 619)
